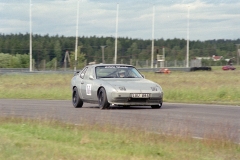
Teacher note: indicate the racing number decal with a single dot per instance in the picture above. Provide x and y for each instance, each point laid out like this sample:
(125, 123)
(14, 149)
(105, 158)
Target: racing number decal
(88, 89)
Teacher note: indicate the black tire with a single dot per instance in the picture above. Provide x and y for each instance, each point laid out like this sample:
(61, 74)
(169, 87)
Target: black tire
(76, 101)
(157, 106)
(127, 106)
(102, 99)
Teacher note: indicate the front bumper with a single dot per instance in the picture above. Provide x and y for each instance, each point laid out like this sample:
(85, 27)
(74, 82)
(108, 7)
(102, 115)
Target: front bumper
(126, 99)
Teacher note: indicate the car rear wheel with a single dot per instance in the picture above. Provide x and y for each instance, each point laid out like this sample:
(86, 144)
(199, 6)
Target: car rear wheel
(157, 106)
(76, 101)
(102, 99)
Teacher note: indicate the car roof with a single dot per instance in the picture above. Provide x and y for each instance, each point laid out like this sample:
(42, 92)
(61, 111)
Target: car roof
(102, 64)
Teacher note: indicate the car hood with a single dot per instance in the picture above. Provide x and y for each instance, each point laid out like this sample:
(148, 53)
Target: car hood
(133, 84)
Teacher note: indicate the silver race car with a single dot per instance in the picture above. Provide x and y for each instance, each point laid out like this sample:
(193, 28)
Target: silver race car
(114, 84)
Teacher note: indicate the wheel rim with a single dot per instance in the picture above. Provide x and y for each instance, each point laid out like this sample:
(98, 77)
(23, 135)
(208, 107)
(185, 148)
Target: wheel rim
(74, 98)
(100, 98)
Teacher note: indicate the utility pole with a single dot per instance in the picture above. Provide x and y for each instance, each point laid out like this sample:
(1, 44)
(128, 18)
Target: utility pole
(238, 53)
(163, 50)
(65, 60)
(103, 61)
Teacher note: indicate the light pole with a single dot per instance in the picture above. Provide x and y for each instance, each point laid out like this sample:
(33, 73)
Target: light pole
(187, 55)
(115, 57)
(30, 36)
(103, 61)
(152, 54)
(76, 42)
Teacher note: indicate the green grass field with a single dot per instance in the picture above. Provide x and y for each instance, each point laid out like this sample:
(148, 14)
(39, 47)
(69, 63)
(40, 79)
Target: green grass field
(49, 139)
(217, 86)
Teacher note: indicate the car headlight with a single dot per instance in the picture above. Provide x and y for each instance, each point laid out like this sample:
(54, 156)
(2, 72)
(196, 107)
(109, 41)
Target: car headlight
(154, 88)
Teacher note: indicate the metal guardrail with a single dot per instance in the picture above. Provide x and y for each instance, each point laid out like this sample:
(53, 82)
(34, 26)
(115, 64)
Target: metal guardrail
(185, 69)
(7, 70)
(26, 70)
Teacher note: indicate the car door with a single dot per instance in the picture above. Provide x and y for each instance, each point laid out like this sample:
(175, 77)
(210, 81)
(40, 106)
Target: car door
(86, 84)
(80, 82)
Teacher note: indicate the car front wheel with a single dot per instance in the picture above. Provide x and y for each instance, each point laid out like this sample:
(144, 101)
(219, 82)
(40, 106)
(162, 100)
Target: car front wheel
(157, 106)
(102, 99)
(76, 101)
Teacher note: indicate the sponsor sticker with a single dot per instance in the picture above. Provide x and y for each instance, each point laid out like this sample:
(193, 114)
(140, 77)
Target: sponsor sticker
(88, 89)
(116, 67)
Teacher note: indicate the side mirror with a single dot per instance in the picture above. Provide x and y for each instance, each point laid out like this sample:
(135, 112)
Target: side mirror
(82, 75)
(76, 73)
(91, 77)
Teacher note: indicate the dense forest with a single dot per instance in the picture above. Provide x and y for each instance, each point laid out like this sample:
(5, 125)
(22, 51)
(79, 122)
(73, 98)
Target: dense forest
(48, 48)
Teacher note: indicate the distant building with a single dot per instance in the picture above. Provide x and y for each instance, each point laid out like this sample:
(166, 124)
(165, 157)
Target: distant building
(217, 58)
(200, 58)
(91, 63)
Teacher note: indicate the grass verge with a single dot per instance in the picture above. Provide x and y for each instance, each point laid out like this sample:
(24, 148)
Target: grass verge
(49, 139)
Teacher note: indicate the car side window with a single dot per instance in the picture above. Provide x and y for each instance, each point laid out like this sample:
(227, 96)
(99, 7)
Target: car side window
(88, 73)
(82, 74)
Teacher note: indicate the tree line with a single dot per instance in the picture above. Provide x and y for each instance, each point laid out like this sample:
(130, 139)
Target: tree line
(51, 49)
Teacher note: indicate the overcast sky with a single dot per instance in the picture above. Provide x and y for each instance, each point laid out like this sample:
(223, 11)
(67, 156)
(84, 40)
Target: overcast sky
(208, 19)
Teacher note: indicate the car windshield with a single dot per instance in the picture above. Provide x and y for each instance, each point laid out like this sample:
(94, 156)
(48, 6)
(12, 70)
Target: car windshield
(117, 72)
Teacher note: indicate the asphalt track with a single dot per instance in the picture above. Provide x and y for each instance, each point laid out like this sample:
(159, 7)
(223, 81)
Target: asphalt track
(198, 121)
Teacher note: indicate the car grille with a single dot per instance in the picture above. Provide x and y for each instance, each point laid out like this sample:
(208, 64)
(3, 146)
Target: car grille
(145, 100)
(136, 100)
